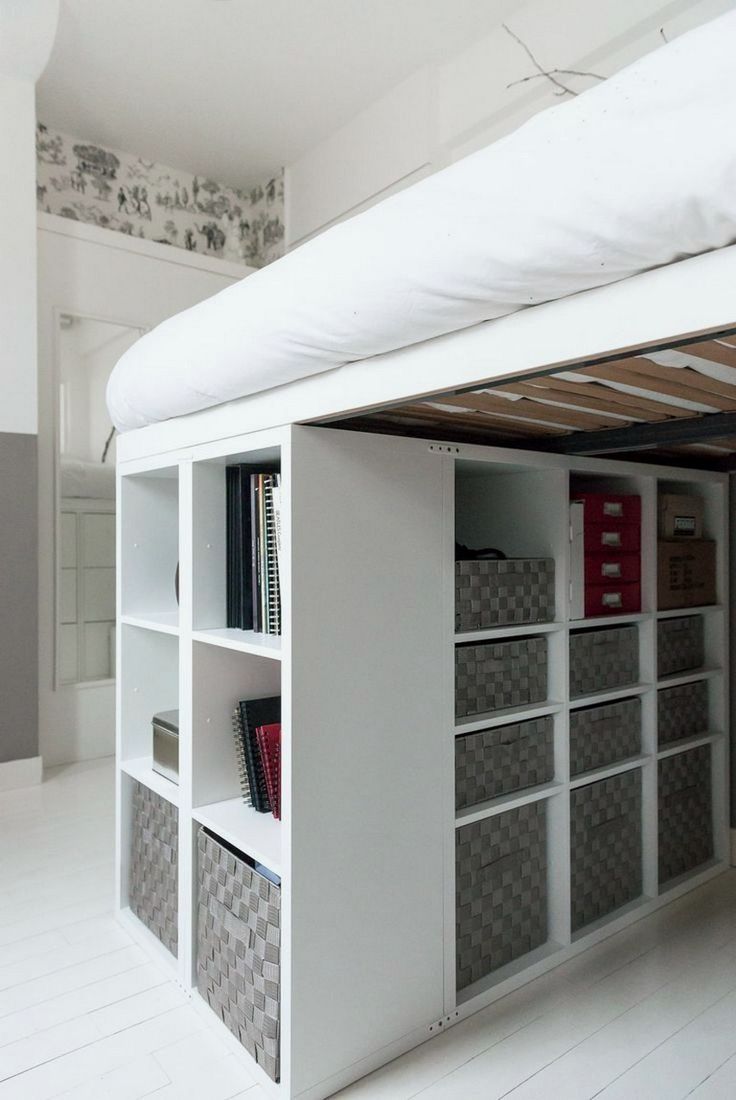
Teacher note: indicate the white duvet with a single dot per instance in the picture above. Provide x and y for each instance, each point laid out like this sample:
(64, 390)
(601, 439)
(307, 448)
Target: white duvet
(637, 172)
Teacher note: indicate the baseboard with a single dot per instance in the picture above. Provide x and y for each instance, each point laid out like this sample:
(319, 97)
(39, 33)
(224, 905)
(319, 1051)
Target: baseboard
(21, 773)
(733, 847)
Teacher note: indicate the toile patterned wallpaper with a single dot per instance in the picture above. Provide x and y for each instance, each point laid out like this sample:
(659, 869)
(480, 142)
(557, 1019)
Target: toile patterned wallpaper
(122, 192)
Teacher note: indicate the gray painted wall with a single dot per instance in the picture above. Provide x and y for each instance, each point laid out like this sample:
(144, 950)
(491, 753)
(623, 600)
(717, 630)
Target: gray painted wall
(18, 597)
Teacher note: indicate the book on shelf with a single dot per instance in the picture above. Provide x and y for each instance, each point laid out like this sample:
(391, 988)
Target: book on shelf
(239, 736)
(257, 731)
(253, 536)
(269, 743)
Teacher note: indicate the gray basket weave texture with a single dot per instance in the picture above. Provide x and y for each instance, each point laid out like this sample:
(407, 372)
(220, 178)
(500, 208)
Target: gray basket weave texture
(605, 846)
(239, 949)
(600, 736)
(680, 645)
(154, 860)
(685, 812)
(501, 593)
(682, 711)
(501, 890)
(497, 761)
(500, 674)
(601, 660)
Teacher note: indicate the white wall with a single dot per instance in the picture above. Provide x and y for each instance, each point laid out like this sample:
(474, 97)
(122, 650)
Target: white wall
(27, 29)
(18, 256)
(92, 272)
(446, 111)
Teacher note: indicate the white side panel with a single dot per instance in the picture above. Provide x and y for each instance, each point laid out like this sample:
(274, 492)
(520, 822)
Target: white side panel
(366, 756)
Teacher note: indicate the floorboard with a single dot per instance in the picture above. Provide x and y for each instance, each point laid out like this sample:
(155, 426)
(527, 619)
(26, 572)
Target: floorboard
(649, 1014)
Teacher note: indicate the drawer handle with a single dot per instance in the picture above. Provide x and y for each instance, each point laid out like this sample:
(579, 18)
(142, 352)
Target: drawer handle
(681, 792)
(612, 599)
(605, 723)
(503, 863)
(610, 538)
(613, 825)
(613, 508)
(611, 569)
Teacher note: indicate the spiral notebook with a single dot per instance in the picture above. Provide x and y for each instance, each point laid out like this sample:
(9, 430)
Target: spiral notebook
(240, 755)
(252, 713)
(253, 538)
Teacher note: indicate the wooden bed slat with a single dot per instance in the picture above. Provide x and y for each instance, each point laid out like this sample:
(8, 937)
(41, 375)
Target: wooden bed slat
(430, 428)
(555, 397)
(480, 420)
(625, 371)
(528, 410)
(729, 442)
(724, 354)
(694, 379)
(651, 410)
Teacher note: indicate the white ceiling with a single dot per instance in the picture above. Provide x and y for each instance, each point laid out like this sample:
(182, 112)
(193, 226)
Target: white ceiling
(234, 89)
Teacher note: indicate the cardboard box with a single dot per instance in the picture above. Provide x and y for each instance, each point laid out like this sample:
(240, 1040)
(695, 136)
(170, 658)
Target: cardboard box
(686, 573)
(680, 517)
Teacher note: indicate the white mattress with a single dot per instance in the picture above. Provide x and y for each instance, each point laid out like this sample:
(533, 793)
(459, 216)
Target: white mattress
(638, 172)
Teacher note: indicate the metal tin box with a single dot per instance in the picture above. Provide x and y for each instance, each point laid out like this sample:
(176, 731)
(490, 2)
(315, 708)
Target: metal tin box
(166, 744)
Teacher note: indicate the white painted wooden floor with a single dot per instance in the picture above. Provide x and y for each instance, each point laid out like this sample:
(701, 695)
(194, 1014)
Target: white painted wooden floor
(648, 1015)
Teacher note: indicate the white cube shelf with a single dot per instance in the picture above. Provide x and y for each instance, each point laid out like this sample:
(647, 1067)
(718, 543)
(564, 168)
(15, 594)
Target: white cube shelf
(365, 669)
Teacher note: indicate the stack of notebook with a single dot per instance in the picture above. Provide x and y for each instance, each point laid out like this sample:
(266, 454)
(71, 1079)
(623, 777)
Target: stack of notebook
(257, 730)
(253, 546)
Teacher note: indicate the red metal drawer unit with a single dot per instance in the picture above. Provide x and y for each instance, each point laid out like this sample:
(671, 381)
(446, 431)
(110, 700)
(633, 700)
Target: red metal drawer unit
(605, 566)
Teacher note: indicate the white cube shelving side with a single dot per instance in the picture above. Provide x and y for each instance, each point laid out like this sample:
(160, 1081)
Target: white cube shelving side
(365, 668)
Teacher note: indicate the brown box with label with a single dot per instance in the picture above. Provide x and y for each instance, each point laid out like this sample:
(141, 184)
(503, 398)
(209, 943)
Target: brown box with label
(686, 573)
(680, 516)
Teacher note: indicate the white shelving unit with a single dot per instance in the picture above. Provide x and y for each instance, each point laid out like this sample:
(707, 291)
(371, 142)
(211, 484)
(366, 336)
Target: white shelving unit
(365, 667)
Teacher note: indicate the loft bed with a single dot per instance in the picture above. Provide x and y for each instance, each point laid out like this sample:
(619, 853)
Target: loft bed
(597, 230)
(500, 416)
(365, 848)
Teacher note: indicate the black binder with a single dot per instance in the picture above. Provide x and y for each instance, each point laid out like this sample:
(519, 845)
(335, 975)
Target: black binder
(254, 713)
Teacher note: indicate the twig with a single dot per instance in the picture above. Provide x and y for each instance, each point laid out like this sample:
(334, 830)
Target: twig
(548, 74)
(108, 441)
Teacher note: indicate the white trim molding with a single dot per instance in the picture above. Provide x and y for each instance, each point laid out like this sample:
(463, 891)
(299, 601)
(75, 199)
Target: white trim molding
(110, 238)
(21, 773)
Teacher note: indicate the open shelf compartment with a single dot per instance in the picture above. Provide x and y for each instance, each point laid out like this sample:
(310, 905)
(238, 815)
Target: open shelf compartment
(149, 547)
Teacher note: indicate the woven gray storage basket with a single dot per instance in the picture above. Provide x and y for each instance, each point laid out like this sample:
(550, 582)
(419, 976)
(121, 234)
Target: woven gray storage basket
(682, 711)
(603, 659)
(605, 846)
(154, 880)
(685, 812)
(497, 761)
(500, 593)
(239, 949)
(680, 645)
(603, 735)
(500, 674)
(501, 890)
